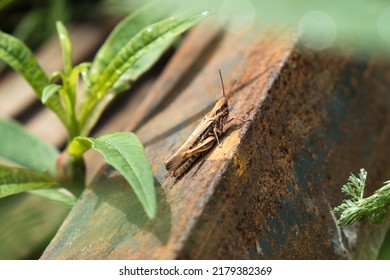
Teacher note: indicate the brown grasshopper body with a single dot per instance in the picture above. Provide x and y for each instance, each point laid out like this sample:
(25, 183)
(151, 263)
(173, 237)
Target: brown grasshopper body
(202, 139)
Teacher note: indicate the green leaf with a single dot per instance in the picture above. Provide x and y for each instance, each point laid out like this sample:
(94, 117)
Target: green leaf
(55, 75)
(124, 31)
(83, 70)
(66, 46)
(125, 153)
(143, 42)
(21, 147)
(16, 180)
(140, 67)
(355, 186)
(127, 56)
(59, 195)
(124, 82)
(49, 91)
(85, 76)
(16, 54)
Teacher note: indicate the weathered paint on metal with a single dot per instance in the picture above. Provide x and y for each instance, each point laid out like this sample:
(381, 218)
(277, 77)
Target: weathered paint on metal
(266, 192)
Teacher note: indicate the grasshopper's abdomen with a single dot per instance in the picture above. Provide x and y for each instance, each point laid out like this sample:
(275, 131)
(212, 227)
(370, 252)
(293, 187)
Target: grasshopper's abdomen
(184, 167)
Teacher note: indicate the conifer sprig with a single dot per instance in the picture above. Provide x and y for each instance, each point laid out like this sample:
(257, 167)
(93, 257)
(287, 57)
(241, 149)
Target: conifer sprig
(358, 208)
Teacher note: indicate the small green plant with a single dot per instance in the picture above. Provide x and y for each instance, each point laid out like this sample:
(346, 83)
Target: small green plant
(130, 50)
(23, 18)
(357, 207)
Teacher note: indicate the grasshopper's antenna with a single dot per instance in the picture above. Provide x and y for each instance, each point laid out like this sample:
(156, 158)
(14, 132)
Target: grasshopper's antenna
(234, 82)
(223, 88)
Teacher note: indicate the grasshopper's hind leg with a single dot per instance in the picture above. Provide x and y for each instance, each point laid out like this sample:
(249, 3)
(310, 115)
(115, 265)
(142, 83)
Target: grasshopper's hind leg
(202, 146)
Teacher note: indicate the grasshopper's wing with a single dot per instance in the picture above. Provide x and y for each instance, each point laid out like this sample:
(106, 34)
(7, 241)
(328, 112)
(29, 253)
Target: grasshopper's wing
(194, 153)
(202, 146)
(177, 159)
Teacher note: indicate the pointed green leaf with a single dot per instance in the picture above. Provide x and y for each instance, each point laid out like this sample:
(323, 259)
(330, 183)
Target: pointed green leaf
(49, 91)
(79, 146)
(140, 44)
(66, 46)
(59, 195)
(83, 70)
(55, 75)
(125, 153)
(16, 54)
(85, 76)
(140, 67)
(124, 31)
(123, 83)
(21, 147)
(130, 53)
(16, 180)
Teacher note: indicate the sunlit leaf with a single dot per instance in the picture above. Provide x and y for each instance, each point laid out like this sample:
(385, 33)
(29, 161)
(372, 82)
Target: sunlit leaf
(66, 46)
(49, 91)
(144, 41)
(125, 153)
(149, 38)
(140, 67)
(16, 54)
(124, 31)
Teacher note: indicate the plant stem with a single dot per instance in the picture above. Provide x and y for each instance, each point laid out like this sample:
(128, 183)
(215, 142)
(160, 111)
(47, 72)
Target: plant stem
(71, 172)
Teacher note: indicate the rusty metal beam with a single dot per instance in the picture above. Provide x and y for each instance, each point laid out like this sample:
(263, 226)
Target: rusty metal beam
(266, 192)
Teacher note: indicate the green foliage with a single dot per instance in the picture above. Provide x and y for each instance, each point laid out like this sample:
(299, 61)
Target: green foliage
(21, 147)
(144, 41)
(109, 67)
(33, 22)
(49, 91)
(126, 29)
(357, 208)
(125, 153)
(66, 46)
(129, 27)
(132, 48)
(16, 180)
(16, 54)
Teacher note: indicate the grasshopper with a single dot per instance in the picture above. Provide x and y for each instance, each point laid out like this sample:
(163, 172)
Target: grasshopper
(203, 137)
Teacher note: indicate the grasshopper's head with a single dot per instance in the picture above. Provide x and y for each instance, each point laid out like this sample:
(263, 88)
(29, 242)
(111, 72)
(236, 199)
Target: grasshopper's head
(221, 108)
